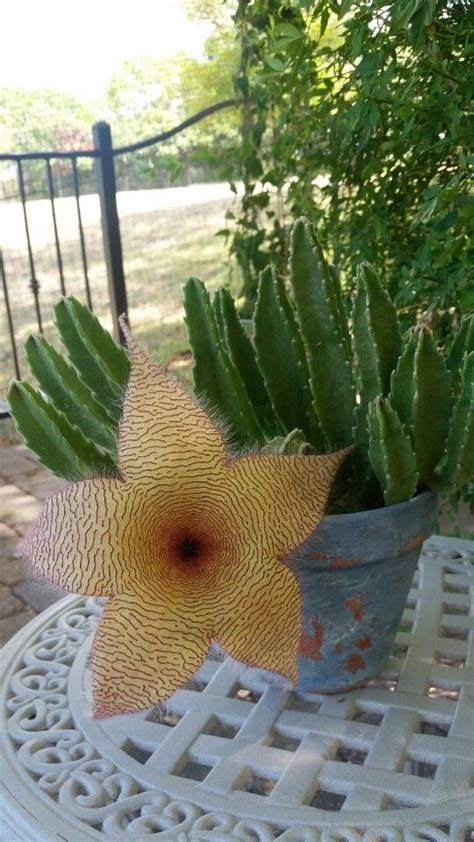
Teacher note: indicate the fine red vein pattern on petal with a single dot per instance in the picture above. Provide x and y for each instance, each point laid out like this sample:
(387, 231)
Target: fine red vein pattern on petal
(189, 545)
(165, 426)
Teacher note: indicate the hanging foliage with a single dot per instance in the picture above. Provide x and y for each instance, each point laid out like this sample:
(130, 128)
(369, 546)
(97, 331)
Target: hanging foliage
(357, 115)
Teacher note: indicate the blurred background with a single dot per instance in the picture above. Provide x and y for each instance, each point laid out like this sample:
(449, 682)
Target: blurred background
(143, 73)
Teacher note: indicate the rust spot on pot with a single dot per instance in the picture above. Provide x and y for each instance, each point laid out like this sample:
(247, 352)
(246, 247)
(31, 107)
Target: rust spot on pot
(354, 604)
(338, 647)
(364, 643)
(355, 663)
(334, 563)
(310, 645)
(339, 563)
(413, 544)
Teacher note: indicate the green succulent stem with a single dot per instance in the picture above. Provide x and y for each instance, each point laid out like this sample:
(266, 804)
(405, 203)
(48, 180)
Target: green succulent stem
(330, 372)
(432, 406)
(57, 444)
(215, 376)
(391, 453)
(457, 467)
(277, 357)
(383, 324)
(242, 354)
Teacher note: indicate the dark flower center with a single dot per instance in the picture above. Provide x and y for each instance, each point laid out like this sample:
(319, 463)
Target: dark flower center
(189, 548)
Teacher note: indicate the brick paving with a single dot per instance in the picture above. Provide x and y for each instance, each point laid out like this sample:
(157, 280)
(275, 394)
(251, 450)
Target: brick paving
(24, 485)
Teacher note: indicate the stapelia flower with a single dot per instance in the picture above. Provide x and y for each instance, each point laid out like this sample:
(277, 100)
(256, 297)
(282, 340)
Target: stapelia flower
(188, 544)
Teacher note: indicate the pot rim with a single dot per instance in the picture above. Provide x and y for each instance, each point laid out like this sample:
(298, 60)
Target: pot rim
(355, 539)
(419, 501)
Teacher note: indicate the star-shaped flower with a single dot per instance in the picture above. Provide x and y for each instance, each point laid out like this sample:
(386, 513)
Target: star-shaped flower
(188, 544)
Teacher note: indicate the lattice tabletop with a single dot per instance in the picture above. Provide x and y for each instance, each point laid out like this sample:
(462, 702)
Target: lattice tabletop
(232, 757)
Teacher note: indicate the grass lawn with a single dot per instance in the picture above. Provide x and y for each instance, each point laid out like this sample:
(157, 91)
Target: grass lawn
(167, 235)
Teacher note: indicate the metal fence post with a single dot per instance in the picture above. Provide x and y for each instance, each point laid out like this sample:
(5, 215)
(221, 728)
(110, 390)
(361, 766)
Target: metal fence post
(105, 173)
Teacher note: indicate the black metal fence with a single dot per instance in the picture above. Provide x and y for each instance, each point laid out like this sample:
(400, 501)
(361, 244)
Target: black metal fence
(103, 155)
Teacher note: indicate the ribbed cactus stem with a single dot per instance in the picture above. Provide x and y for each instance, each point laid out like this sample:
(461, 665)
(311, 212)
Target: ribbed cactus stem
(215, 375)
(67, 392)
(384, 327)
(333, 291)
(316, 437)
(458, 465)
(277, 357)
(330, 372)
(57, 444)
(106, 391)
(462, 343)
(110, 356)
(217, 307)
(242, 354)
(367, 373)
(402, 382)
(432, 406)
(341, 312)
(391, 453)
(293, 327)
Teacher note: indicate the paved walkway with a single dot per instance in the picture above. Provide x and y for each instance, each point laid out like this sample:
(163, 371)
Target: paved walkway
(24, 485)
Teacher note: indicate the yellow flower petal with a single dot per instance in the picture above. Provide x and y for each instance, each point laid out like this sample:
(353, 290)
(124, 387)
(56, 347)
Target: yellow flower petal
(163, 434)
(143, 651)
(282, 498)
(81, 540)
(261, 624)
(189, 545)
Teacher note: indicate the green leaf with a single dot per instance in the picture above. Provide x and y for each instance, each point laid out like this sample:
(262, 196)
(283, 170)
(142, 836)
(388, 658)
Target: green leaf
(331, 378)
(344, 8)
(57, 444)
(432, 406)
(60, 383)
(275, 63)
(289, 30)
(383, 322)
(404, 10)
(106, 392)
(391, 453)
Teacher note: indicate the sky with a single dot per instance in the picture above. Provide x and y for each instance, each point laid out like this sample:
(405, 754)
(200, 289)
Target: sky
(77, 46)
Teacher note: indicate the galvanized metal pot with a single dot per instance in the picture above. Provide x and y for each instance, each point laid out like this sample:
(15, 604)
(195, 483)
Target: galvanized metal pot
(355, 572)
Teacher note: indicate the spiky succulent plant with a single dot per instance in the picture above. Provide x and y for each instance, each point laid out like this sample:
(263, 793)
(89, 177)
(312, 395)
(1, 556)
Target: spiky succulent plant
(315, 375)
(307, 377)
(69, 420)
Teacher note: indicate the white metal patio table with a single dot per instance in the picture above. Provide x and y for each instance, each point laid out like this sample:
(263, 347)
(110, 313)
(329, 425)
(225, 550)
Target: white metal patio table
(232, 758)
